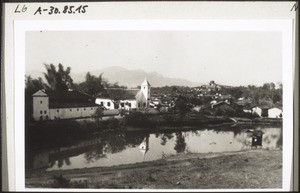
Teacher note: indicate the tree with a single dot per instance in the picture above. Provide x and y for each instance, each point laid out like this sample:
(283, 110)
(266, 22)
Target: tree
(180, 143)
(182, 105)
(58, 80)
(272, 86)
(98, 115)
(92, 85)
(33, 85)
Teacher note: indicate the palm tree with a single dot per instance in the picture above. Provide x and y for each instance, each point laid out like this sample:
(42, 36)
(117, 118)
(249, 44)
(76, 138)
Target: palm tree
(58, 80)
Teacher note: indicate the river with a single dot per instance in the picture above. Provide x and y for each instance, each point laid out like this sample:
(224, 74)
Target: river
(131, 147)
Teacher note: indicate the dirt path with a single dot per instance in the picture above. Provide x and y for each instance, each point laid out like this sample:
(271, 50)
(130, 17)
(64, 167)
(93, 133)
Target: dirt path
(255, 168)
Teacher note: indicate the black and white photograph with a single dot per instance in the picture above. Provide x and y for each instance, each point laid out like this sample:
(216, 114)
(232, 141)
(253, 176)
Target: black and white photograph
(153, 105)
(126, 109)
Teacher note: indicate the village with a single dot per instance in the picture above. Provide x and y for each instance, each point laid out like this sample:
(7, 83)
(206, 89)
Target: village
(94, 125)
(74, 104)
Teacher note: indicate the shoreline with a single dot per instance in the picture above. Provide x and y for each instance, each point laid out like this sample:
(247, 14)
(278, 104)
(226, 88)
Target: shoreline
(64, 132)
(238, 121)
(185, 169)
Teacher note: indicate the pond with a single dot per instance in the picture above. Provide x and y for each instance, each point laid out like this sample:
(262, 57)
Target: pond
(132, 147)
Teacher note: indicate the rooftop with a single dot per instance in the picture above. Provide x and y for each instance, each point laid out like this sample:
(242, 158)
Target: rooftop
(145, 83)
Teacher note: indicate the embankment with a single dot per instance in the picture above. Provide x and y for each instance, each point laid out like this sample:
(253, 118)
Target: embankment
(250, 169)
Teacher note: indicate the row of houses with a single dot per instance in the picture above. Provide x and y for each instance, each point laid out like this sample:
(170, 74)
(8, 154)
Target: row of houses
(74, 104)
(270, 112)
(246, 106)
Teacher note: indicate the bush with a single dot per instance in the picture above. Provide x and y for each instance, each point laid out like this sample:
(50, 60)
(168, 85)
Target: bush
(139, 119)
(205, 112)
(62, 182)
(169, 119)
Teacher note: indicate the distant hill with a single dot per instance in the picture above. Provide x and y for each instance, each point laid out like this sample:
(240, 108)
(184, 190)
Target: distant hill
(129, 78)
(133, 78)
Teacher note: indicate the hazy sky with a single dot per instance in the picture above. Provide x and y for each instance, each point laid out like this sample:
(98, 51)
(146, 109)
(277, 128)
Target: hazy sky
(231, 58)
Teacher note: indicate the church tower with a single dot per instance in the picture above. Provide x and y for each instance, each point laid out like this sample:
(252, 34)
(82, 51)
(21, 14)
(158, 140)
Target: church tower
(145, 89)
(144, 146)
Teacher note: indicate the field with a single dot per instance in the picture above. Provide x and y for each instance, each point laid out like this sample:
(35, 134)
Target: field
(251, 169)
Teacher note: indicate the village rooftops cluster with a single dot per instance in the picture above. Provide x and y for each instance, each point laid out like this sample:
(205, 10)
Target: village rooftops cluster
(75, 104)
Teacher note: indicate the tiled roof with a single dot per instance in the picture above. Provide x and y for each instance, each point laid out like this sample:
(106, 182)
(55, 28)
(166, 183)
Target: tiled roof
(146, 82)
(55, 105)
(70, 99)
(121, 92)
(220, 103)
(40, 93)
(243, 102)
(132, 93)
(140, 96)
(70, 95)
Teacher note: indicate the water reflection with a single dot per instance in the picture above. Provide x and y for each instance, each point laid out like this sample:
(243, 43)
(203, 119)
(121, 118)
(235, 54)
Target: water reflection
(165, 137)
(130, 147)
(180, 144)
(144, 146)
(94, 155)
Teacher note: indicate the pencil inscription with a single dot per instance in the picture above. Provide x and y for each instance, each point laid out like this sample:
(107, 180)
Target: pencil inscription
(19, 9)
(65, 10)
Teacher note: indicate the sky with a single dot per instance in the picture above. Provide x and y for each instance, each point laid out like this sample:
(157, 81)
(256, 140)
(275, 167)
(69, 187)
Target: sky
(229, 58)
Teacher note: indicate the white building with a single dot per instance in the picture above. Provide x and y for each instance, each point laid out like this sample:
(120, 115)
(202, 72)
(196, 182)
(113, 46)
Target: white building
(62, 105)
(139, 99)
(127, 104)
(106, 103)
(143, 96)
(257, 110)
(274, 113)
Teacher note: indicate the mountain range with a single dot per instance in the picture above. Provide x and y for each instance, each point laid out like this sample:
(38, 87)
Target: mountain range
(129, 78)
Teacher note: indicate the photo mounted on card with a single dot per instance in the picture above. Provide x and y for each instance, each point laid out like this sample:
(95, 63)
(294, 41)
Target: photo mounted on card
(115, 96)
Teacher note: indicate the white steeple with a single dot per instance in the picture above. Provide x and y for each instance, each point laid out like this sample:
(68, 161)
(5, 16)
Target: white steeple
(145, 89)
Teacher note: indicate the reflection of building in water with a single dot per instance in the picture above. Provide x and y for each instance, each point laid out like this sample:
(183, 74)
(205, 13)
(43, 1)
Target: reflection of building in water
(144, 146)
(40, 160)
(255, 136)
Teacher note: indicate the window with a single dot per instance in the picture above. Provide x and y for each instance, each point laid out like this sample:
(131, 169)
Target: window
(57, 110)
(144, 87)
(70, 109)
(129, 104)
(84, 109)
(122, 104)
(41, 102)
(108, 104)
(101, 103)
(77, 109)
(41, 112)
(45, 112)
(139, 104)
(91, 108)
(144, 104)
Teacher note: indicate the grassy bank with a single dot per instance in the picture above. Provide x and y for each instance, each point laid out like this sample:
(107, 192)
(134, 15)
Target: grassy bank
(253, 169)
